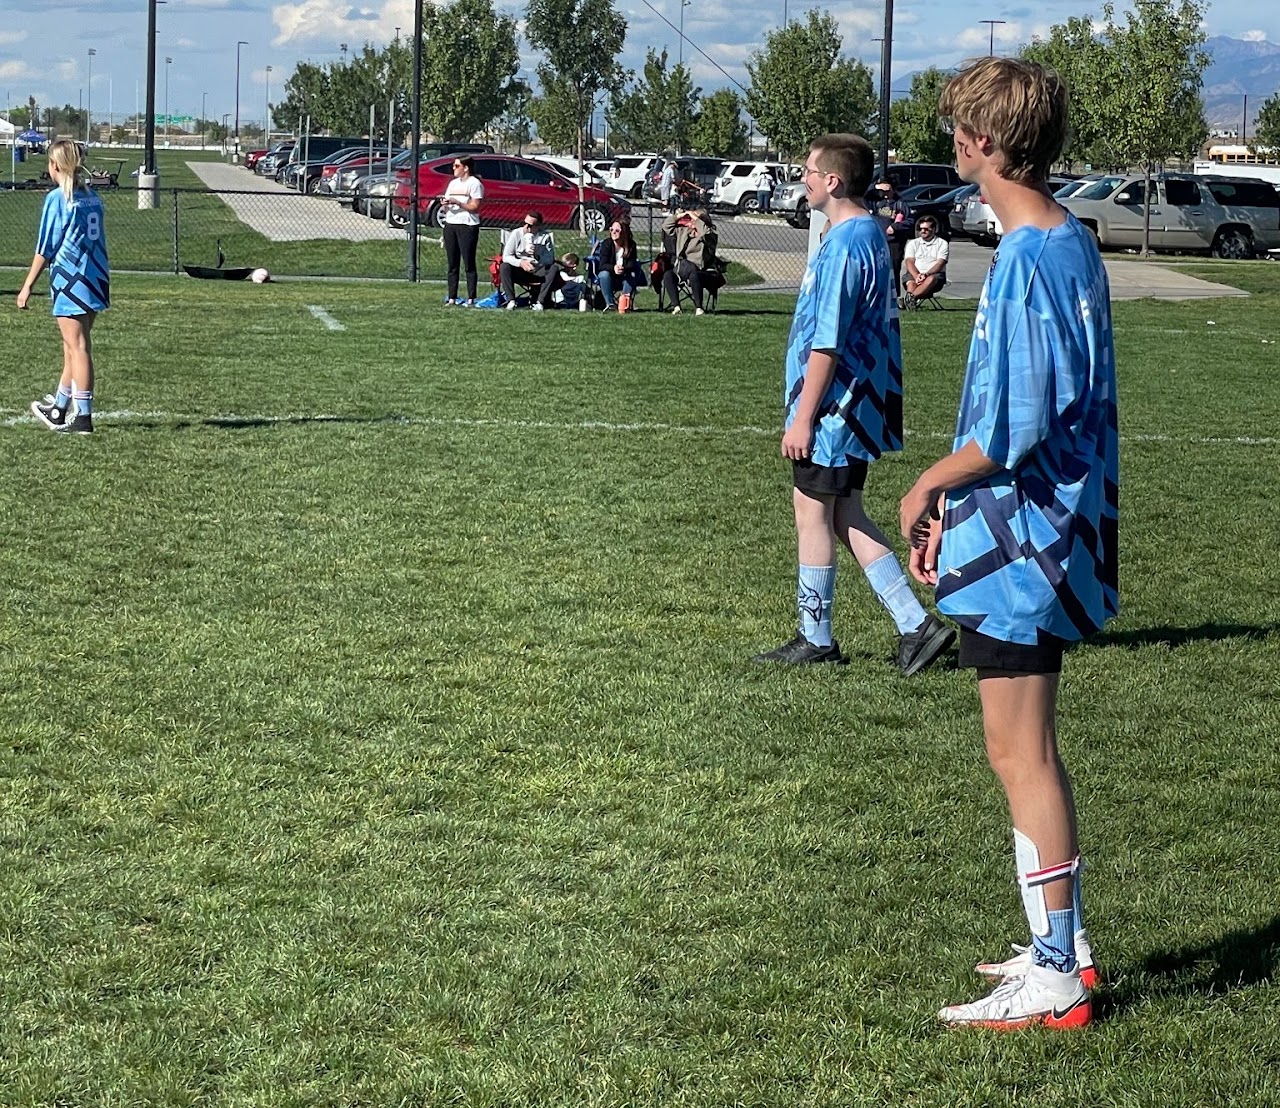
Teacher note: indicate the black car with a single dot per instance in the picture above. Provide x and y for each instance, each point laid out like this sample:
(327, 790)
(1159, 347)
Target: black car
(934, 200)
(296, 173)
(906, 175)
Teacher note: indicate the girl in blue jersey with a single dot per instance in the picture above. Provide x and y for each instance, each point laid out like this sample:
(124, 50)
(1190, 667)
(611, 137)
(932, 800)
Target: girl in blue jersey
(72, 243)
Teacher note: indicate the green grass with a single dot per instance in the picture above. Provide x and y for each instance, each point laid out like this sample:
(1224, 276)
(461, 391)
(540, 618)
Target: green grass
(377, 728)
(157, 240)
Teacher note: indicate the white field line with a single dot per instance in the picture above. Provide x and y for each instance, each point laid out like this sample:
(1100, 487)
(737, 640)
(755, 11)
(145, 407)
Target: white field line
(17, 417)
(324, 317)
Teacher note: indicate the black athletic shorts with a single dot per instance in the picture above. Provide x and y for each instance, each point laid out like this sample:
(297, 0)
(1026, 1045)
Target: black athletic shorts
(819, 480)
(983, 652)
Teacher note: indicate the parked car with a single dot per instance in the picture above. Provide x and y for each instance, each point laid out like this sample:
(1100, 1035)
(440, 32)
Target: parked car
(960, 201)
(512, 187)
(702, 172)
(1230, 217)
(980, 222)
(906, 175)
(371, 195)
(305, 176)
(934, 200)
(629, 172)
(735, 188)
(266, 165)
(251, 158)
(342, 180)
(567, 167)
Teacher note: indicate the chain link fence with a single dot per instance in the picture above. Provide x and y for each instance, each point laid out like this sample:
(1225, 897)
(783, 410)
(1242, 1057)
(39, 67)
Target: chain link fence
(292, 234)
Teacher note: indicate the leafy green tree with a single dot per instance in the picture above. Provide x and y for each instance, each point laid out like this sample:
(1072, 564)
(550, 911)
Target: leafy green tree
(658, 111)
(554, 113)
(1148, 108)
(469, 59)
(306, 93)
(1074, 50)
(20, 118)
(514, 126)
(581, 40)
(913, 121)
(801, 87)
(719, 130)
(1266, 131)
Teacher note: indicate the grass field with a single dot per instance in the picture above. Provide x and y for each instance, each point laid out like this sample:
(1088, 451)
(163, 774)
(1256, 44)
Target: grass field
(378, 730)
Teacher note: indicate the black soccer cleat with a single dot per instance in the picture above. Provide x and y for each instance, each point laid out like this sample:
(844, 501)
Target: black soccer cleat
(801, 652)
(920, 647)
(49, 413)
(78, 424)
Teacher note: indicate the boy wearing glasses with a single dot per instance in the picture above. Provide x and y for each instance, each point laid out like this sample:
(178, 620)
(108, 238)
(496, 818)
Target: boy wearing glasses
(843, 403)
(1024, 556)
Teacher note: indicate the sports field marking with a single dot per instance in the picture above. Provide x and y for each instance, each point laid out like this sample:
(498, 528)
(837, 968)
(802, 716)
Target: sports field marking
(325, 318)
(19, 417)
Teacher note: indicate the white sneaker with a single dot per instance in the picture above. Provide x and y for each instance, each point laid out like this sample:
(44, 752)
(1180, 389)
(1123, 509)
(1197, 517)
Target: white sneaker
(675, 310)
(582, 306)
(537, 307)
(1042, 997)
(511, 305)
(699, 311)
(1021, 962)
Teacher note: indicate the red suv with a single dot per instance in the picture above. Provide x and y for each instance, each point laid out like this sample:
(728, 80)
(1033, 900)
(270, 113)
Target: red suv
(512, 187)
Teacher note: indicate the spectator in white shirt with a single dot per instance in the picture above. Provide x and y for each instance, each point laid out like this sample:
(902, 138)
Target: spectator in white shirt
(926, 261)
(764, 189)
(528, 254)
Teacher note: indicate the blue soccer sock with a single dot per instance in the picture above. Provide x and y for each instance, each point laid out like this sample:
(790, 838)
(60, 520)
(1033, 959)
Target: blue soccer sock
(815, 590)
(84, 402)
(62, 398)
(1057, 949)
(891, 586)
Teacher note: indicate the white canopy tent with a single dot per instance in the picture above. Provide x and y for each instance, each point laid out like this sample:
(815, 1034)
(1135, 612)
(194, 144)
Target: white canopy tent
(7, 131)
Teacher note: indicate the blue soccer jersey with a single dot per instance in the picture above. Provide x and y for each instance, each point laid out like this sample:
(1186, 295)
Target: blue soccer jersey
(1033, 548)
(73, 240)
(847, 307)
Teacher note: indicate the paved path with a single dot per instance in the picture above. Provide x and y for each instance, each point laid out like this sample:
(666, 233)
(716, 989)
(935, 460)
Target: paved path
(283, 215)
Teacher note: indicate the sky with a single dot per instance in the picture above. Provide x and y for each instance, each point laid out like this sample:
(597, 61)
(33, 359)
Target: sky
(44, 45)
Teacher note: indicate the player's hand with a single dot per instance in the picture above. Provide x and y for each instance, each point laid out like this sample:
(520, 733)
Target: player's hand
(924, 556)
(24, 296)
(915, 509)
(796, 442)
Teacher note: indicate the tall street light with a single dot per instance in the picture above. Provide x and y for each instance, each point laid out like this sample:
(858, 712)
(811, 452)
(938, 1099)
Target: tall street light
(204, 96)
(88, 119)
(167, 62)
(991, 38)
(235, 157)
(886, 64)
(683, 4)
(266, 119)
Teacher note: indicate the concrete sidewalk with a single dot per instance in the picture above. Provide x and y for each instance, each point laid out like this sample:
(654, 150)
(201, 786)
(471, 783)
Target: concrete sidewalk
(282, 215)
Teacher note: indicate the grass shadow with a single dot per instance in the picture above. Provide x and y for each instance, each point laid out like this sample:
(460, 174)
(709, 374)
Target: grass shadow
(1174, 637)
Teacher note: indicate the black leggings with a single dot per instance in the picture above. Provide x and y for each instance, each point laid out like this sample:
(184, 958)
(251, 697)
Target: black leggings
(461, 241)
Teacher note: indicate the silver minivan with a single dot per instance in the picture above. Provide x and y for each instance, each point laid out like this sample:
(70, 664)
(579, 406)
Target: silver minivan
(1230, 217)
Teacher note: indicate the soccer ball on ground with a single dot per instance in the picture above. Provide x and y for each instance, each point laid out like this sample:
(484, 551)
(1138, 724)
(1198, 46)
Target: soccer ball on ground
(259, 276)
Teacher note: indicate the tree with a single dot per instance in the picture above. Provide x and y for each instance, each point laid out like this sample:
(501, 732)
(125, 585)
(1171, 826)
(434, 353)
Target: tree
(1148, 108)
(802, 88)
(306, 93)
(718, 131)
(913, 121)
(1074, 50)
(513, 126)
(469, 59)
(554, 113)
(1267, 128)
(582, 40)
(659, 111)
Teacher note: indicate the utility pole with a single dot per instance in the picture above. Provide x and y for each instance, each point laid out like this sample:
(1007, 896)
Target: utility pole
(88, 119)
(266, 119)
(991, 38)
(886, 62)
(235, 157)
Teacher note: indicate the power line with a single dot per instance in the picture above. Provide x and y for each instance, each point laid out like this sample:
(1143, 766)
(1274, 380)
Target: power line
(698, 48)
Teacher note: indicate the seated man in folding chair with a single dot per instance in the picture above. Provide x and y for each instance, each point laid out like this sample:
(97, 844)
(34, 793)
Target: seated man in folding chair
(926, 261)
(690, 239)
(528, 255)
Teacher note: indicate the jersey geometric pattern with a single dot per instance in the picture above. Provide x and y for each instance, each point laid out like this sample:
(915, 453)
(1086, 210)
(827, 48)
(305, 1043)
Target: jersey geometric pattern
(847, 306)
(73, 238)
(1033, 549)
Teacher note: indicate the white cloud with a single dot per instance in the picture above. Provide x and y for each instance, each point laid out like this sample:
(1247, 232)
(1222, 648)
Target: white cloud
(67, 70)
(12, 38)
(328, 22)
(17, 71)
(974, 38)
(1254, 36)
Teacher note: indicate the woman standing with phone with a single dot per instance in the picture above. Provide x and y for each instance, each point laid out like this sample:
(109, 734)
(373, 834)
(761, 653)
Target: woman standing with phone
(460, 223)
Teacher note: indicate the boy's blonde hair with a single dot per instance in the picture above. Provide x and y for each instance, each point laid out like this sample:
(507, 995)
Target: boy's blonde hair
(849, 157)
(571, 260)
(64, 155)
(1020, 105)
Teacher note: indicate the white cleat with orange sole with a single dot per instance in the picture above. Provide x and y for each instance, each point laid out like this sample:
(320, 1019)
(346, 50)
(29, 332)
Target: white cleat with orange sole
(1040, 998)
(1021, 962)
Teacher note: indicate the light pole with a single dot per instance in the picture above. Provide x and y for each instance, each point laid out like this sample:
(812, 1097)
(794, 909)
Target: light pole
(991, 39)
(886, 64)
(204, 96)
(226, 116)
(235, 157)
(88, 119)
(683, 4)
(167, 62)
(266, 119)
(343, 47)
